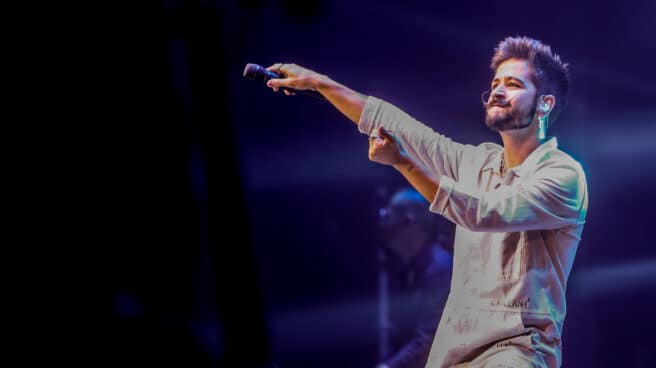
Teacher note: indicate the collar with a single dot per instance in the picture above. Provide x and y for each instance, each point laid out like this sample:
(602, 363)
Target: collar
(530, 161)
(494, 164)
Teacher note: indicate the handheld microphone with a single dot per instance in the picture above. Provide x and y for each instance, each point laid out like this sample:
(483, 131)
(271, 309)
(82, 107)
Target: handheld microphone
(260, 74)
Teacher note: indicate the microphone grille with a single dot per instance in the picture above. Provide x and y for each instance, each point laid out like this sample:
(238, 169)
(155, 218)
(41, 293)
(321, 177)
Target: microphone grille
(251, 71)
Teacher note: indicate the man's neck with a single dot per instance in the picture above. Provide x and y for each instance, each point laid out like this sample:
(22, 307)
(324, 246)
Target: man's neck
(518, 145)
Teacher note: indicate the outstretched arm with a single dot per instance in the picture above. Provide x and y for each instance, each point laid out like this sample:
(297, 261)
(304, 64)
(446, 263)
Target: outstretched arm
(346, 100)
(426, 148)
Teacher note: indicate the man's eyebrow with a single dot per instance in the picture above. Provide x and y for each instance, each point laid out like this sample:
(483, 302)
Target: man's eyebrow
(516, 79)
(510, 78)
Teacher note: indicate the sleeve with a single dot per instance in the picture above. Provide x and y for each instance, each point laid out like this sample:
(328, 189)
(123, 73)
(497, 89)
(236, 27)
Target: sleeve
(554, 197)
(435, 152)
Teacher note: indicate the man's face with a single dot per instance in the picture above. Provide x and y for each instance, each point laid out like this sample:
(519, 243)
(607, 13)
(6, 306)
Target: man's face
(512, 101)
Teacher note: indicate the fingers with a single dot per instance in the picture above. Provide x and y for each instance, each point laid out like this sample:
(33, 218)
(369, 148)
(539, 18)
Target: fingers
(282, 82)
(285, 90)
(274, 67)
(287, 86)
(379, 149)
(292, 77)
(288, 72)
(284, 69)
(383, 148)
(275, 84)
(279, 68)
(381, 137)
(375, 141)
(383, 133)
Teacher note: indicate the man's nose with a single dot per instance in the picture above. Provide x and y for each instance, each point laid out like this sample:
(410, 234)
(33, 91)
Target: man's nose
(499, 90)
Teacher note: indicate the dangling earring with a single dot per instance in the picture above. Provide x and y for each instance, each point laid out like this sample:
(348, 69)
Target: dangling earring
(542, 127)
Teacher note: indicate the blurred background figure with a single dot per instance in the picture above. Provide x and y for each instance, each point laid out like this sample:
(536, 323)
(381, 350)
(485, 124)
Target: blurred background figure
(414, 278)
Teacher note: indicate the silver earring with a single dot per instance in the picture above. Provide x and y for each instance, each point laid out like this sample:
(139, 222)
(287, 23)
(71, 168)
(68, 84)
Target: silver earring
(542, 127)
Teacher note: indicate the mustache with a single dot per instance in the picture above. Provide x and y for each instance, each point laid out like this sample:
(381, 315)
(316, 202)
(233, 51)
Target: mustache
(498, 103)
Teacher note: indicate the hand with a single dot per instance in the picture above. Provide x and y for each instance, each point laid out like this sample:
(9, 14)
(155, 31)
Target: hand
(297, 77)
(385, 150)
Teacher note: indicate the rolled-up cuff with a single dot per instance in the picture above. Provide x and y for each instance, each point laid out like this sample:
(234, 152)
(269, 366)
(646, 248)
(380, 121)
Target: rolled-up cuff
(442, 196)
(371, 107)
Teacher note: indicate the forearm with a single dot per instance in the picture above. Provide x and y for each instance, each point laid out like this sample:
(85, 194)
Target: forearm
(346, 100)
(547, 201)
(419, 179)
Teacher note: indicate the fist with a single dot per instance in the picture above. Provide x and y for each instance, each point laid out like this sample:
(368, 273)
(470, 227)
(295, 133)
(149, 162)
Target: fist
(384, 149)
(296, 77)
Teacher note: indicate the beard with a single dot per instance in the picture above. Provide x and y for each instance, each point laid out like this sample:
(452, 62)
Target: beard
(510, 120)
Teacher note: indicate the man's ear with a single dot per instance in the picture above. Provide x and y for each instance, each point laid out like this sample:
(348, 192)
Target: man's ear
(547, 103)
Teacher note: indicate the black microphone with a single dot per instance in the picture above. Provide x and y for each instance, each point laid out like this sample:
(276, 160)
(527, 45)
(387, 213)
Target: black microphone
(261, 74)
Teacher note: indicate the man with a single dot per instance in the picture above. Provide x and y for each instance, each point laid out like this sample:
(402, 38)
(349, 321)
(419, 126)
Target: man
(519, 209)
(419, 267)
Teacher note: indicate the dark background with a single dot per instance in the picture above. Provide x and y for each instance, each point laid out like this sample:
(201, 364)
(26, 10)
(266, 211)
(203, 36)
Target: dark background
(246, 231)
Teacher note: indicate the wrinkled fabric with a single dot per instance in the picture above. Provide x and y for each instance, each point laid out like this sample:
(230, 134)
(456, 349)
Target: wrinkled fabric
(516, 239)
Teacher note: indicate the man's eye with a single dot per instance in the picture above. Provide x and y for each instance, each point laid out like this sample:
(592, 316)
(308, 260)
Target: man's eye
(515, 85)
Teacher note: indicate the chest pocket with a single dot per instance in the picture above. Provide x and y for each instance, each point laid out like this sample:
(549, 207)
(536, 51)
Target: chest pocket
(492, 259)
